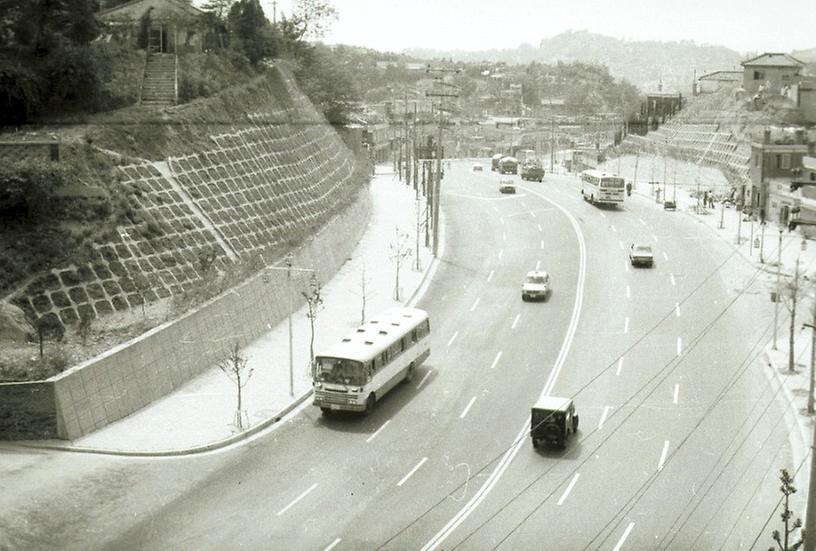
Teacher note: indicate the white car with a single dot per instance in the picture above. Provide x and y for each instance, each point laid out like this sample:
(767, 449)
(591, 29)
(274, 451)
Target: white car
(507, 186)
(641, 255)
(536, 285)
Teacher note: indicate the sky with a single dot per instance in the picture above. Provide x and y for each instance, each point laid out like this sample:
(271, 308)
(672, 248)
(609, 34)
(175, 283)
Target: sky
(397, 25)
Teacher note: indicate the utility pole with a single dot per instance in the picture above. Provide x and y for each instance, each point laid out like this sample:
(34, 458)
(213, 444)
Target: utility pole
(810, 513)
(438, 180)
(778, 298)
(552, 144)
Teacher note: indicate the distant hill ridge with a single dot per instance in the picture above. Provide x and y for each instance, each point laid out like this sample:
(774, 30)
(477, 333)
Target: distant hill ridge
(643, 63)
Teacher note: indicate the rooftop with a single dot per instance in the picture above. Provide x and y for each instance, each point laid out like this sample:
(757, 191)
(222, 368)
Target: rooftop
(773, 59)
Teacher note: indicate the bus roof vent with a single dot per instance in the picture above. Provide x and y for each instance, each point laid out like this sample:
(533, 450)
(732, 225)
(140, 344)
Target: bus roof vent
(395, 323)
(382, 332)
(347, 339)
(361, 330)
(368, 342)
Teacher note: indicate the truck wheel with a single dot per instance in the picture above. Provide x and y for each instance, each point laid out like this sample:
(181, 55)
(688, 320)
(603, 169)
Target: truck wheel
(409, 373)
(536, 443)
(325, 411)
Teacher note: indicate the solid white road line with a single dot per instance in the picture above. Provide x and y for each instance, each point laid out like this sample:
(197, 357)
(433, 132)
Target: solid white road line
(467, 408)
(515, 321)
(425, 378)
(569, 488)
(677, 309)
(613, 229)
(679, 345)
(623, 537)
(406, 477)
(539, 227)
(642, 221)
(620, 366)
(676, 392)
(494, 208)
(628, 292)
(333, 544)
(602, 214)
(373, 436)
(504, 236)
(453, 338)
(663, 455)
(626, 325)
(502, 221)
(603, 416)
(542, 243)
(298, 498)
(626, 265)
(475, 303)
(501, 253)
(532, 214)
(671, 277)
(620, 244)
(538, 264)
(490, 276)
(495, 360)
(665, 256)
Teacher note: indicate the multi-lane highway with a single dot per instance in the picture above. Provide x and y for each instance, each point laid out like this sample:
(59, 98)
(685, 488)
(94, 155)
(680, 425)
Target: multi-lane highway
(681, 433)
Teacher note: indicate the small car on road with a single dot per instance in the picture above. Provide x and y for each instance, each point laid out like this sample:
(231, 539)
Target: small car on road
(532, 170)
(477, 167)
(641, 255)
(553, 421)
(536, 285)
(669, 205)
(507, 185)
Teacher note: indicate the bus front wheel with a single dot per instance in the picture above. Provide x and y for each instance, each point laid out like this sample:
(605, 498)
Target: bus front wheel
(409, 373)
(369, 407)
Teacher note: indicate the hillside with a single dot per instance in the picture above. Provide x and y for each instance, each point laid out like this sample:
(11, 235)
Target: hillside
(643, 63)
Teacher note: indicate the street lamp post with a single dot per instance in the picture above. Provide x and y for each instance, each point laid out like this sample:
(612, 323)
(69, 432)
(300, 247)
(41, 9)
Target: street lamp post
(778, 298)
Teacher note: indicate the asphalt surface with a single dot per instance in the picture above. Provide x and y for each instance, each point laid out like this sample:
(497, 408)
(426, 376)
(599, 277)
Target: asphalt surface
(681, 436)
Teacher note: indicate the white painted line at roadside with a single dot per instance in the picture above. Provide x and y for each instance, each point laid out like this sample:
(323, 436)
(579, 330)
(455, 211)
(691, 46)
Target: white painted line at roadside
(425, 378)
(626, 265)
(453, 338)
(298, 498)
(504, 236)
(665, 256)
(602, 214)
(542, 243)
(410, 474)
(626, 325)
(603, 416)
(620, 366)
(490, 276)
(475, 303)
(333, 544)
(654, 237)
(679, 345)
(376, 432)
(502, 221)
(620, 244)
(642, 221)
(539, 227)
(501, 253)
(628, 292)
(613, 229)
(496, 360)
(663, 455)
(671, 278)
(538, 264)
(467, 408)
(677, 309)
(569, 488)
(515, 321)
(676, 392)
(623, 537)
(532, 214)
(494, 208)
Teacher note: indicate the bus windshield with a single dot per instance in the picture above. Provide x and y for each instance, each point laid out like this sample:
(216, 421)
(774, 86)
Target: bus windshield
(340, 371)
(614, 183)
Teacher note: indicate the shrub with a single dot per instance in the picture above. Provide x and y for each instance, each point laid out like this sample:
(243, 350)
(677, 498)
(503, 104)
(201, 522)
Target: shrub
(20, 93)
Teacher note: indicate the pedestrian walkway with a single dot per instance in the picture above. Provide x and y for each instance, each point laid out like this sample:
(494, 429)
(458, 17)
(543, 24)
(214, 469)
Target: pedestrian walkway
(202, 413)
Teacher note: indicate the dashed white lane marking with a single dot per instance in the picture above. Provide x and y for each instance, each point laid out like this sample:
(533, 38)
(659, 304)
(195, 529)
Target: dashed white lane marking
(412, 471)
(671, 278)
(538, 264)
(677, 309)
(515, 321)
(453, 338)
(613, 229)
(603, 416)
(602, 214)
(501, 253)
(628, 292)
(665, 256)
(504, 236)
(569, 488)
(663, 455)
(542, 243)
(626, 265)
(539, 227)
(333, 544)
(298, 498)
(532, 214)
(490, 276)
(676, 392)
(475, 303)
(623, 537)
(679, 345)
(642, 221)
(654, 237)
(620, 366)
(373, 436)
(467, 408)
(425, 378)
(494, 208)
(620, 244)
(496, 360)
(626, 325)
(502, 221)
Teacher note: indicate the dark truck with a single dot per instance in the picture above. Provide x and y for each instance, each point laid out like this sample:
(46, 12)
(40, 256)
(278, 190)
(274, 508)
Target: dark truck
(532, 170)
(553, 421)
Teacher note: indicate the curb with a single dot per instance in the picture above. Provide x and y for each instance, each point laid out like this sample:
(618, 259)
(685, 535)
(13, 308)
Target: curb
(194, 450)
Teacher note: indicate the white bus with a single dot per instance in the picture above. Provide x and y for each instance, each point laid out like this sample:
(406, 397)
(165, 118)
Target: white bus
(354, 373)
(599, 187)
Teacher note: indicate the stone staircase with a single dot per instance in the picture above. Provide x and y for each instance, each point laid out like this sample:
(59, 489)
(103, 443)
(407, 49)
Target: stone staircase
(159, 86)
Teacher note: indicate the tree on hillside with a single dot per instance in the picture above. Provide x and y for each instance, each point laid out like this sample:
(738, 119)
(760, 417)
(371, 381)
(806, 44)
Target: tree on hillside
(41, 26)
(311, 19)
(327, 83)
(251, 33)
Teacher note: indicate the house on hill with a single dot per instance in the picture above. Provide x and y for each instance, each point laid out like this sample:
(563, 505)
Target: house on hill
(770, 71)
(159, 26)
(716, 81)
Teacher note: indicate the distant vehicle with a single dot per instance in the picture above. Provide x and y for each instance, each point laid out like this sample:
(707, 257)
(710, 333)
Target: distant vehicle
(641, 255)
(536, 285)
(669, 205)
(354, 373)
(507, 185)
(602, 188)
(494, 161)
(553, 421)
(508, 165)
(477, 167)
(532, 170)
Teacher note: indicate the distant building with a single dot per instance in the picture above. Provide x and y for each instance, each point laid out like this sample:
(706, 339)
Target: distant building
(774, 165)
(713, 82)
(660, 106)
(159, 26)
(770, 71)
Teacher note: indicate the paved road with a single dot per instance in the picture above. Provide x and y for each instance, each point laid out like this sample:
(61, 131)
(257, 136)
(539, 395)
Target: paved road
(681, 434)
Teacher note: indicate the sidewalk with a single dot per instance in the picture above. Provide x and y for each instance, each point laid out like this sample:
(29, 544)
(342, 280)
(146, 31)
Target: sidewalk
(201, 414)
